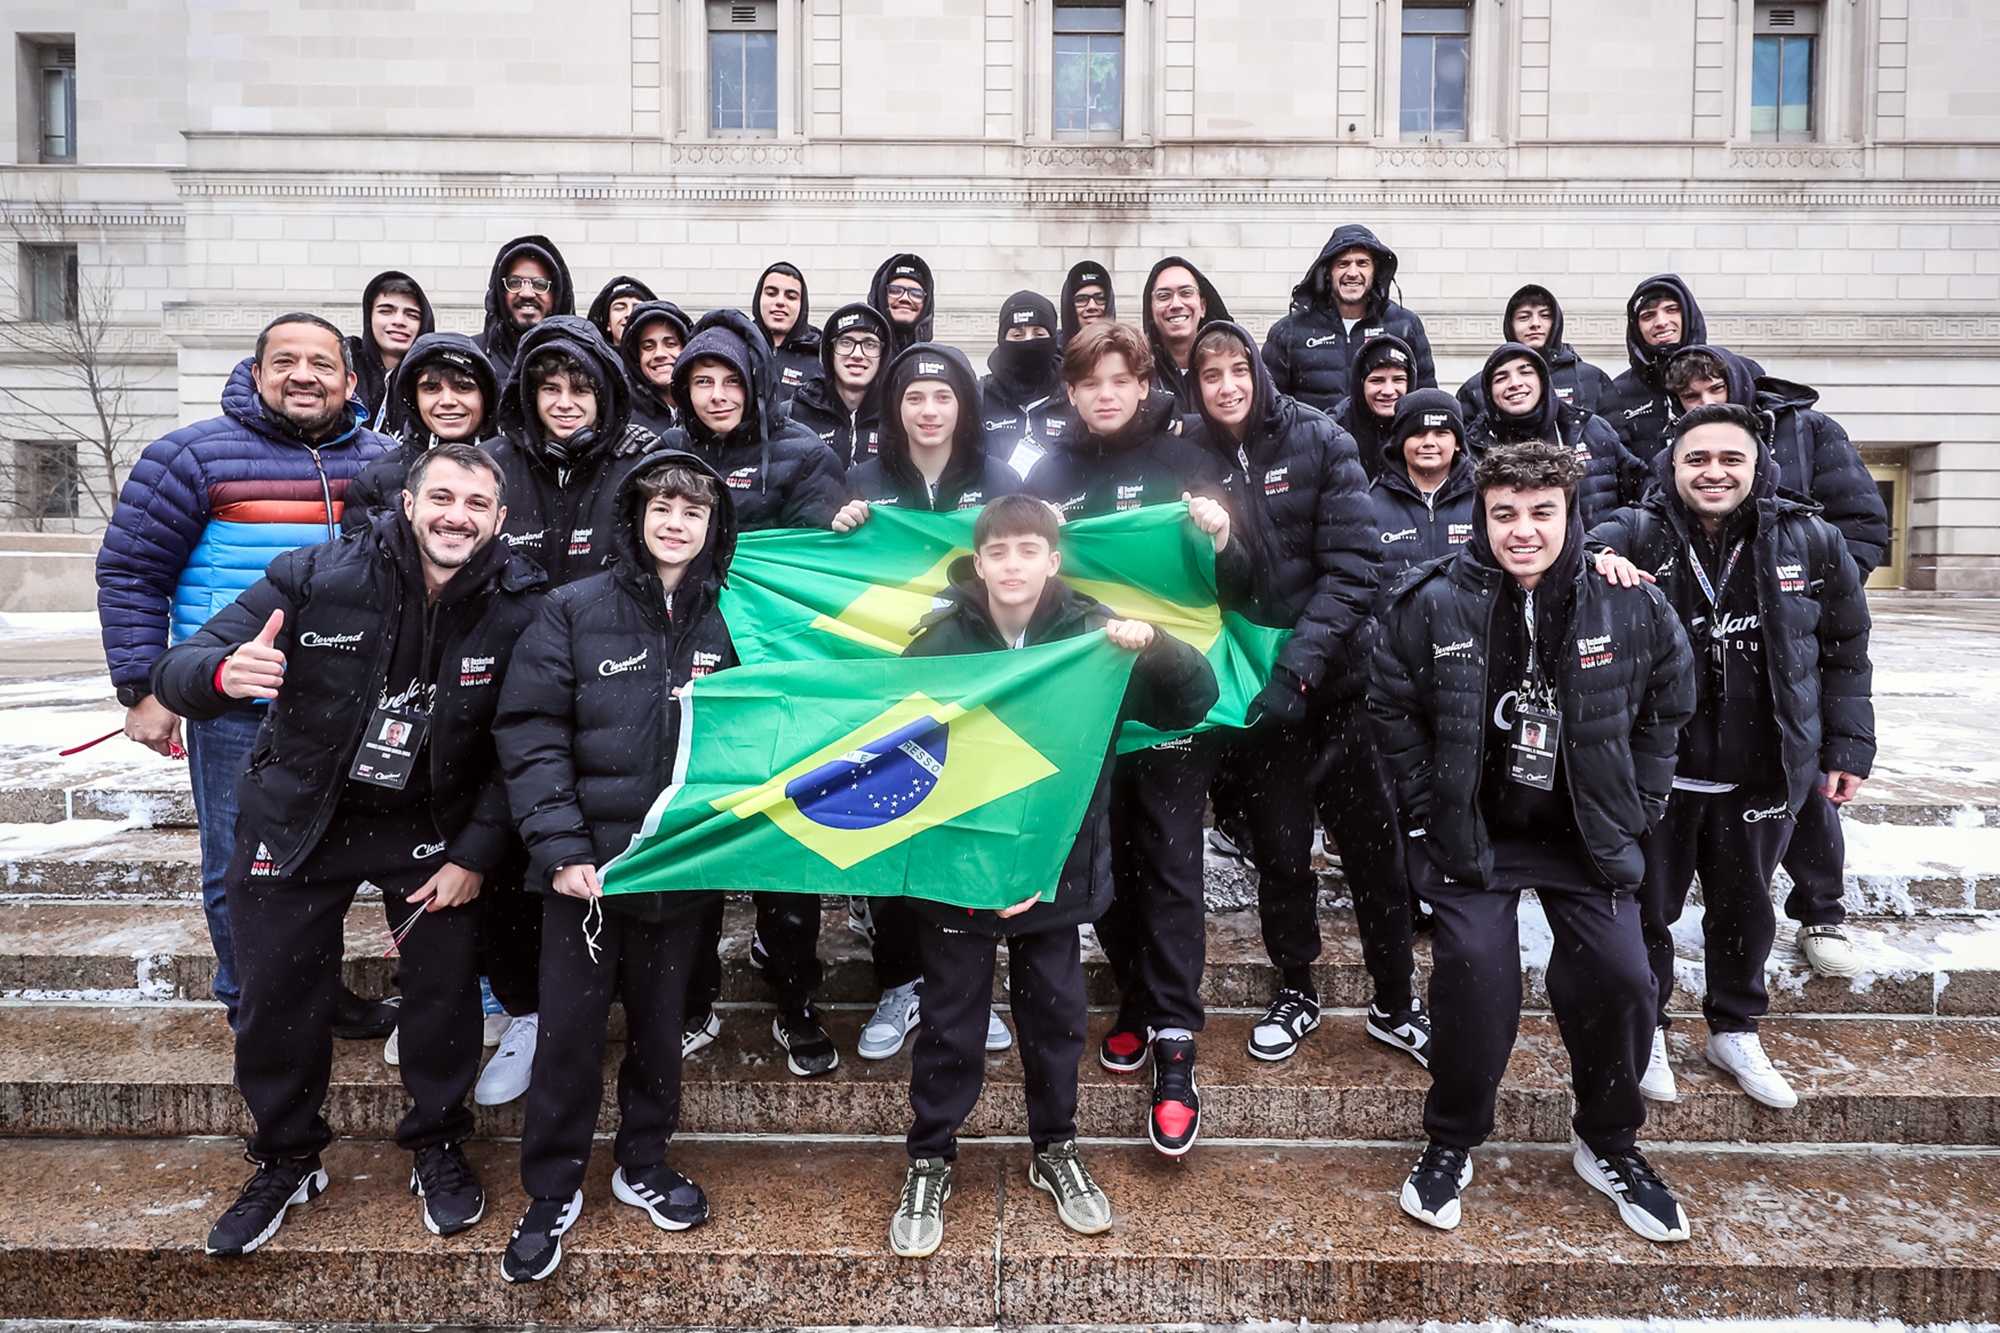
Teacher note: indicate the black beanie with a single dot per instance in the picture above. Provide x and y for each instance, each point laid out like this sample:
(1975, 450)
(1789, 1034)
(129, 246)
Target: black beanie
(1023, 309)
(1379, 352)
(1425, 409)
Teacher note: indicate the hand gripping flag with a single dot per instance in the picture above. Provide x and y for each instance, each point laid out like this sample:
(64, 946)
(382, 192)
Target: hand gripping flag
(812, 596)
(959, 779)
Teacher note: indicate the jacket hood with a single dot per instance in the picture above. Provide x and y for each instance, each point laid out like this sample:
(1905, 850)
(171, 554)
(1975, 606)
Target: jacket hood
(460, 353)
(710, 570)
(1569, 561)
(1086, 274)
(580, 338)
(1315, 290)
(241, 404)
(732, 336)
(1209, 296)
(850, 318)
(1030, 369)
(1420, 411)
(1763, 483)
(1535, 294)
(648, 312)
(1382, 348)
(1736, 376)
(622, 285)
(968, 440)
(500, 333)
(904, 266)
(1543, 423)
(803, 337)
(426, 322)
(1649, 362)
(1266, 403)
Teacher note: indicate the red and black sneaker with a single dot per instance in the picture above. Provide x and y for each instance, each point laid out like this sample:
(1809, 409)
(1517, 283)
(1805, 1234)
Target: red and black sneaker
(1176, 1117)
(1124, 1048)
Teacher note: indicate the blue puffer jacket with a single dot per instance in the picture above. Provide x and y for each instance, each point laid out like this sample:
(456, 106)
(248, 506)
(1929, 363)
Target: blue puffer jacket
(204, 510)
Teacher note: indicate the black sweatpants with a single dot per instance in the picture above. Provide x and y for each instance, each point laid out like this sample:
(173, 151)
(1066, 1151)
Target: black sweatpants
(1357, 806)
(1155, 934)
(289, 941)
(1733, 841)
(510, 947)
(788, 924)
(1599, 986)
(1817, 862)
(948, 1064)
(644, 963)
(898, 949)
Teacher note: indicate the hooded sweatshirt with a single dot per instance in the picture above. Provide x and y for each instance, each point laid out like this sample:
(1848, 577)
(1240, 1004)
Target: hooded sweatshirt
(652, 407)
(1144, 463)
(1355, 416)
(1026, 407)
(798, 361)
(501, 338)
(371, 379)
(1310, 349)
(1086, 274)
(969, 479)
(1612, 476)
(854, 434)
(380, 484)
(913, 268)
(1187, 394)
(1638, 405)
(622, 285)
(1577, 382)
(1412, 527)
(776, 471)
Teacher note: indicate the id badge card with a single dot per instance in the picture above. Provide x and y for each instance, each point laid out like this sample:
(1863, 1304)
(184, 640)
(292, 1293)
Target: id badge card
(1026, 454)
(389, 747)
(1536, 742)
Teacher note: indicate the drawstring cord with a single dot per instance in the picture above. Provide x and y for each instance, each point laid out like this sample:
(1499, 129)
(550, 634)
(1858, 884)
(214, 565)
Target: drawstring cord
(593, 926)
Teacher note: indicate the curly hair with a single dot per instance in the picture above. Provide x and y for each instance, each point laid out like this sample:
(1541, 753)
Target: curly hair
(1533, 465)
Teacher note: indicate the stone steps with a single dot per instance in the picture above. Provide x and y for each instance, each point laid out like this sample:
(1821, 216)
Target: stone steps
(117, 1070)
(1229, 1234)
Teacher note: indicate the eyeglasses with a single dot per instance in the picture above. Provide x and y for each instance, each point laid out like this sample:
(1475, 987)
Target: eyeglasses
(516, 284)
(1082, 301)
(900, 292)
(1162, 295)
(863, 347)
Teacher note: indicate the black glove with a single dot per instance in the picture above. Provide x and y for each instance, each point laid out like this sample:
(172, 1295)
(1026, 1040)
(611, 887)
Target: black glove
(1282, 701)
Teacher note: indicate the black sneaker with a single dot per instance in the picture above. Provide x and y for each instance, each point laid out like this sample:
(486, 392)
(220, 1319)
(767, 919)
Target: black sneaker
(674, 1202)
(356, 1019)
(260, 1209)
(1408, 1030)
(1644, 1202)
(443, 1179)
(1285, 1024)
(808, 1050)
(1176, 1116)
(1431, 1193)
(535, 1248)
(1124, 1048)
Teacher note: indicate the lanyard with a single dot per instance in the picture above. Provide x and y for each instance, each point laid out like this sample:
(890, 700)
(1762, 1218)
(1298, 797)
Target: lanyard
(1535, 690)
(1714, 591)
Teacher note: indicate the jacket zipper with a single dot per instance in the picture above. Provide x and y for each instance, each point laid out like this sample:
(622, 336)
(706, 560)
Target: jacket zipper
(325, 491)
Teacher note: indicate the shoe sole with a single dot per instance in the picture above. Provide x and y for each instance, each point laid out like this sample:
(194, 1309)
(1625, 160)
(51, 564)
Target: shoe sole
(995, 1044)
(431, 1223)
(1414, 1206)
(392, 1052)
(1388, 1038)
(1751, 1092)
(880, 1052)
(309, 1189)
(1193, 1132)
(1847, 973)
(1638, 1219)
(791, 1061)
(1273, 1056)
(705, 1036)
(482, 1097)
(1040, 1182)
(555, 1260)
(924, 1253)
(1665, 1096)
(624, 1193)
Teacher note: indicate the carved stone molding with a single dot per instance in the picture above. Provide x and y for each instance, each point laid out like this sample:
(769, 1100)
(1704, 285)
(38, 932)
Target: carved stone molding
(1440, 157)
(738, 153)
(1798, 157)
(1118, 159)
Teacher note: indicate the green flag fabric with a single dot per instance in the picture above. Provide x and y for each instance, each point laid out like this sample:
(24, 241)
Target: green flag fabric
(813, 596)
(959, 779)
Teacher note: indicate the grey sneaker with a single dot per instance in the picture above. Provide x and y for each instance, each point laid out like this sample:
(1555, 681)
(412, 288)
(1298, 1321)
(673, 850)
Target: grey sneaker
(890, 1025)
(918, 1226)
(1080, 1203)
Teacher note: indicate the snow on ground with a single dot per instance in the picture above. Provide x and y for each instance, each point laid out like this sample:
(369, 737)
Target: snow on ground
(20, 841)
(50, 622)
(39, 718)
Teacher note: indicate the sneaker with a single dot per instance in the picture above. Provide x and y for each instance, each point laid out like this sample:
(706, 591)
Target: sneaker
(674, 1202)
(808, 1050)
(892, 1022)
(443, 1179)
(699, 1032)
(535, 1248)
(1829, 952)
(918, 1226)
(1431, 1193)
(260, 1209)
(1176, 1115)
(1225, 847)
(1080, 1201)
(1408, 1030)
(1742, 1054)
(998, 1038)
(1657, 1085)
(506, 1074)
(1293, 1014)
(493, 1027)
(392, 1049)
(1125, 1046)
(1643, 1200)
(356, 1019)
(861, 919)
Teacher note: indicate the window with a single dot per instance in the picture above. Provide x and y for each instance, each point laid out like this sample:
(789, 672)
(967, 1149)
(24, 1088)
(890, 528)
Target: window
(48, 483)
(743, 68)
(1090, 71)
(1781, 73)
(55, 90)
(1434, 58)
(48, 283)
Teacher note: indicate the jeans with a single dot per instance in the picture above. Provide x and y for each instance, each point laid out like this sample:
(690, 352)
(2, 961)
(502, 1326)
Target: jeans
(217, 752)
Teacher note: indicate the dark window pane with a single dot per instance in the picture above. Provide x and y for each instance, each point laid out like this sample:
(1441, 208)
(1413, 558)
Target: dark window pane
(1434, 20)
(1417, 84)
(760, 78)
(58, 113)
(1764, 56)
(1448, 102)
(725, 63)
(56, 480)
(1089, 18)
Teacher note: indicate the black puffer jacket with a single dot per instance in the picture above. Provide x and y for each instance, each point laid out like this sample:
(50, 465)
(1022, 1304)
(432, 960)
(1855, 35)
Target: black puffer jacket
(1813, 616)
(1171, 689)
(1310, 349)
(344, 605)
(600, 307)
(371, 381)
(1638, 406)
(1025, 406)
(501, 337)
(1166, 375)
(1302, 553)
(1612, 476)
(853, 435)
(776, 471)
(1370, 432)
(588, 726)
(651, 407)
(914, 268)
(969, 480)
(1413, 528)
(562, 498)
(1624, 678)
(379, 488)
(1578, 383)
(1144, 464)
(1086, 274)
(798, 362)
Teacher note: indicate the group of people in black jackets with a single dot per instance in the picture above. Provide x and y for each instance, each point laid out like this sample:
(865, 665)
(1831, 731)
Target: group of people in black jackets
(1587, 636)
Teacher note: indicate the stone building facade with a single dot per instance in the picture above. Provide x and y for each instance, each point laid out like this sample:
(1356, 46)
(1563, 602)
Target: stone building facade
(229, 160)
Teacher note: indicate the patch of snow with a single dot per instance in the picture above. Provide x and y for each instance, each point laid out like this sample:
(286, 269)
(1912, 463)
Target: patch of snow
(154, 972)
(50, 622)
(19, 841)
(1883, 859)
(1537, 940)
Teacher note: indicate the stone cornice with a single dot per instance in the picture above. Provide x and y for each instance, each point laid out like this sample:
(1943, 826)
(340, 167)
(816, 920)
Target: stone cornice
(28, 218)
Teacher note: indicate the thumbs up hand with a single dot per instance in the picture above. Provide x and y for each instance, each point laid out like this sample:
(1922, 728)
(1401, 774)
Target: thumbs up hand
(257, 669)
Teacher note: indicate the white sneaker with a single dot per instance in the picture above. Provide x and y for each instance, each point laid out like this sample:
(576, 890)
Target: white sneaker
(890, 1025)
(1742, 1054)
(392, 1050)
(493, 1027)
(1829, 952)
(998, 1038)
(1658, 1083)
(506, 1074)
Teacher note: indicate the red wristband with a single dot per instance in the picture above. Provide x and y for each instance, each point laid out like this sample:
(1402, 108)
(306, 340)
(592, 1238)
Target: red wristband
(219, 668)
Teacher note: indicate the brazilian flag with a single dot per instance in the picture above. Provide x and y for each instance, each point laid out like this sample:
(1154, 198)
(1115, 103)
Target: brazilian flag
(797, 596)
(959, 779)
